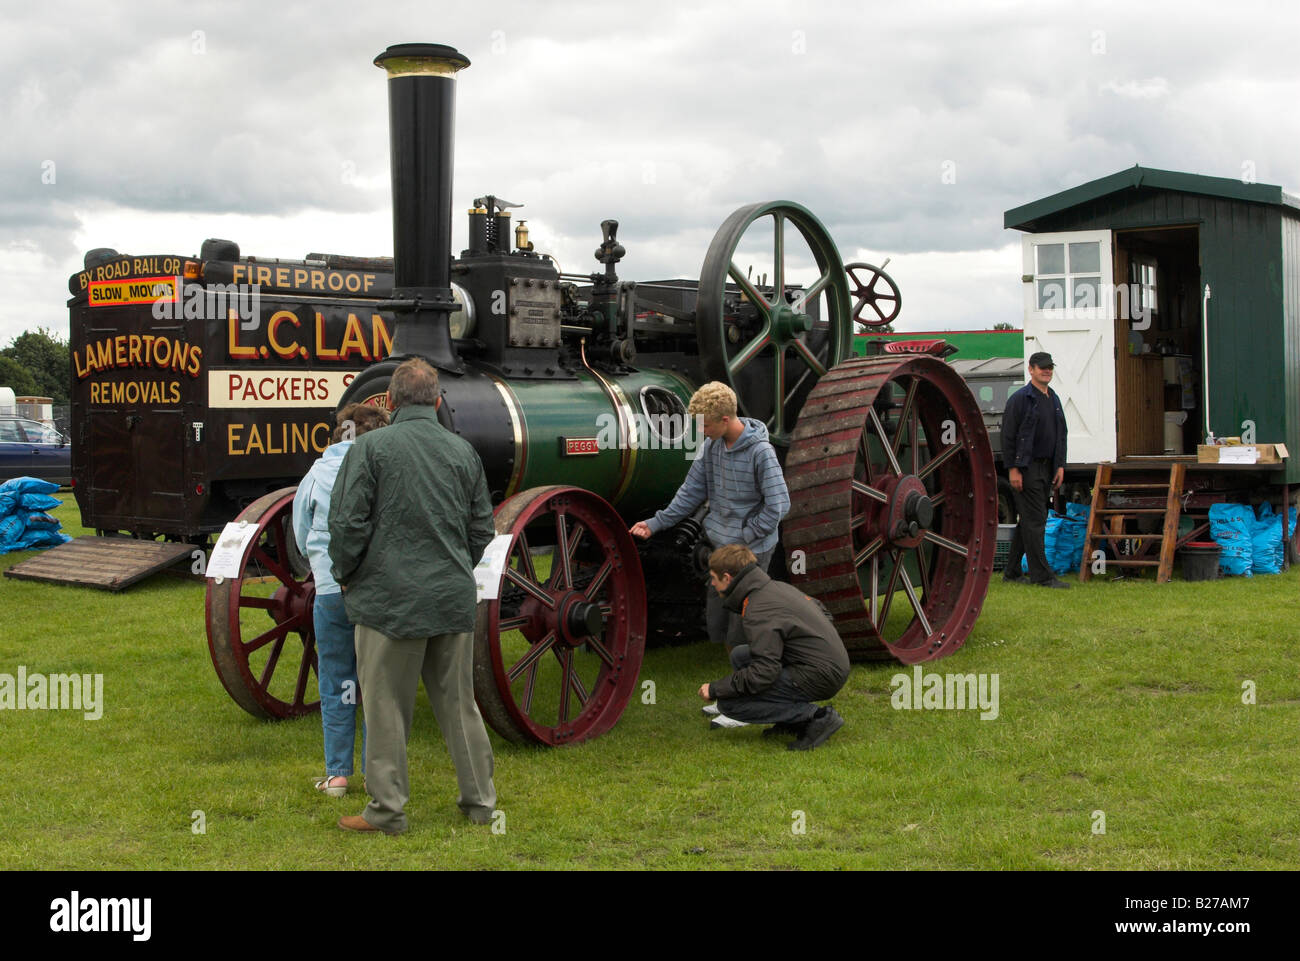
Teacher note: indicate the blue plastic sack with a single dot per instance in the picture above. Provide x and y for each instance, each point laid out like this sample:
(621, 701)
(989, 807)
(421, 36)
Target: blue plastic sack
(1063, 539)
(13, 489)
(1231, 528)
(23, 525)
(39, 538)
(12, 529)
(1051, 534)
(1076, 529)
(38, 502)
(1266, 510)
(1267, 549)
(28, 485)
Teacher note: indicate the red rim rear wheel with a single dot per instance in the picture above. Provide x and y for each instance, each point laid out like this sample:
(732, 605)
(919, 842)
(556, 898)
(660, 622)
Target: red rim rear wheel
(894, 504)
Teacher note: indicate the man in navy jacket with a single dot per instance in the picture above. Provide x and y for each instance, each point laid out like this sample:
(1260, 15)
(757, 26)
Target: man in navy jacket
(1033, 448)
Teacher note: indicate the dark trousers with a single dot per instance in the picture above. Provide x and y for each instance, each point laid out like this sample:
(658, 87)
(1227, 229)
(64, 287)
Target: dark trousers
(1031, 505)
(782, 702)
(724, 626)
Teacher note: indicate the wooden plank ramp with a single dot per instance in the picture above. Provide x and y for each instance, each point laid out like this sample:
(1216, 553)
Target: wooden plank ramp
(107, 563)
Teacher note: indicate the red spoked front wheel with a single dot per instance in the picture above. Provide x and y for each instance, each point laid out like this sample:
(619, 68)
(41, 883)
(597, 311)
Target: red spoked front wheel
(260, 631)
(557, 652)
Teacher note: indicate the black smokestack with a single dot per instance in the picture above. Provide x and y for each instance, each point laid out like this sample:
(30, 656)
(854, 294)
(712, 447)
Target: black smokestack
(421, 124)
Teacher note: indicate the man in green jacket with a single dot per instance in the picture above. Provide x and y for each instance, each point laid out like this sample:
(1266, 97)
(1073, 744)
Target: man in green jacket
(794, 655)
(409, 519)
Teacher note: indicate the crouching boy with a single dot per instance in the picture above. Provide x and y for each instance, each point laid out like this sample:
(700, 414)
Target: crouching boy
(792, 657)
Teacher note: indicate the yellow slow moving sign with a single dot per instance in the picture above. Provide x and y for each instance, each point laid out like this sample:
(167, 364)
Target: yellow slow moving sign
(141, 290)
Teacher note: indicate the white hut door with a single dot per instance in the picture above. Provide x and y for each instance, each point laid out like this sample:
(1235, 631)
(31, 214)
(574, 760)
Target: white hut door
(1070, 313)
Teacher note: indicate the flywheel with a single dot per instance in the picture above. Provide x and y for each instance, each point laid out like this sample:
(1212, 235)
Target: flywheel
(893, 506)
(768, 337)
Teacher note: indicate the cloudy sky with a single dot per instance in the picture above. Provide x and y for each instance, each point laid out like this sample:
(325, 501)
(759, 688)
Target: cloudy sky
(907, 128)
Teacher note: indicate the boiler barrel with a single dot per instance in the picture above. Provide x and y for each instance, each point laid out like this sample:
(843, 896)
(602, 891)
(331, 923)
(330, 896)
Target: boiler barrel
(621, 438)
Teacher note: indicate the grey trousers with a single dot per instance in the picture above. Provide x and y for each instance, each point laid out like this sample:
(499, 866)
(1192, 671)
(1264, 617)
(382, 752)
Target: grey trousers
(724, 626)
(783, 702)
(389, 670)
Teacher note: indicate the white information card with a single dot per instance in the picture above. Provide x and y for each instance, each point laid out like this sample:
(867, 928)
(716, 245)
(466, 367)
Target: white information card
(228, 555)
(487, 575)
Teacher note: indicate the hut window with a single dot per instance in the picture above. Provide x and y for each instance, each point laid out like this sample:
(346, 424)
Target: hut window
(1075, 268)
(1142, 280)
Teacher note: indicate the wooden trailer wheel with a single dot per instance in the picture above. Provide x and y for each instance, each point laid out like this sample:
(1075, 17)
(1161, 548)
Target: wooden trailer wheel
(556, 654)
(894, 506)
(260, 631)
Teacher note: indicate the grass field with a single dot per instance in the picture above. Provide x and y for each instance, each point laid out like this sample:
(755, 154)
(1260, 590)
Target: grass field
(1124, 698)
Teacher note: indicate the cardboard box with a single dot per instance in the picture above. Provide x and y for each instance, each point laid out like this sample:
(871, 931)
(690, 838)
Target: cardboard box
(1241, 453)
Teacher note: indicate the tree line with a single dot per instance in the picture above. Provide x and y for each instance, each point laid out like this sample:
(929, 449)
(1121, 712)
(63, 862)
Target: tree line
(36, 364)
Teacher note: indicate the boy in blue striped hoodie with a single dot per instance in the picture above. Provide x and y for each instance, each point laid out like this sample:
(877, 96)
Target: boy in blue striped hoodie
(737, 472)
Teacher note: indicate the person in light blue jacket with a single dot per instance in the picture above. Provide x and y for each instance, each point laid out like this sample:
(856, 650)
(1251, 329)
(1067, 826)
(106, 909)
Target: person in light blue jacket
(737, 472)
(336, 656)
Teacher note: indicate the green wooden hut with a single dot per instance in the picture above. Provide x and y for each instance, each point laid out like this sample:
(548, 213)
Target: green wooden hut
(1160, 293)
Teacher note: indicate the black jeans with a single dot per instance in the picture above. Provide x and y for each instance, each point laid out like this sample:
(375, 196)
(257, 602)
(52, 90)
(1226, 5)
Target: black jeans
(724, 626)
(782, 702)
(1031, 505)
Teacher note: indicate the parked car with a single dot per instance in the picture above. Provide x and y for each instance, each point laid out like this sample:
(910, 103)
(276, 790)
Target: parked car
(31, 449)
(993, 381)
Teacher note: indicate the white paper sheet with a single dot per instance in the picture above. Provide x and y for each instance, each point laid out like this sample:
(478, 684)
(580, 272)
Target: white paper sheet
(487, 575)
(1242, 454)
(228, 555)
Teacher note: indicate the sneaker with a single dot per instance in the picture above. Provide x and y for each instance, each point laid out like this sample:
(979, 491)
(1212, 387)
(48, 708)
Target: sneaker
(722, 721)
(786, 727)
(1055, 582)
(817, 732)
(710, 710)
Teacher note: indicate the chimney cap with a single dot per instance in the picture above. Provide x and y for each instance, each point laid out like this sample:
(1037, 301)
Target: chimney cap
(412, 59)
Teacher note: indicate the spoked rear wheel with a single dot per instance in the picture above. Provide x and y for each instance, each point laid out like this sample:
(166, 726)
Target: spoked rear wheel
(894, 502)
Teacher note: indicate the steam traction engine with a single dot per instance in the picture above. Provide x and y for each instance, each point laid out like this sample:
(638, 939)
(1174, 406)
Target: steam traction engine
(573, 389)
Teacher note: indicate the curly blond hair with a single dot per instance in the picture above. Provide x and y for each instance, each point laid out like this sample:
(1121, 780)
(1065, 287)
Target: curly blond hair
(713, 401)
(731, 559)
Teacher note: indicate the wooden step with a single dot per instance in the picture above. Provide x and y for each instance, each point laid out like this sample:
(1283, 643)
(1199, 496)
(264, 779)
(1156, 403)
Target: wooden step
(1135, 487)
(1102, 516)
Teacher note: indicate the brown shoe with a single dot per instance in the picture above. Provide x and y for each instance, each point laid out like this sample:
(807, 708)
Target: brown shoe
(355, 822)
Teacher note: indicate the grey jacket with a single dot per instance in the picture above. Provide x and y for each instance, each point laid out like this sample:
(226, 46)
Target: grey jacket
(784, 628)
